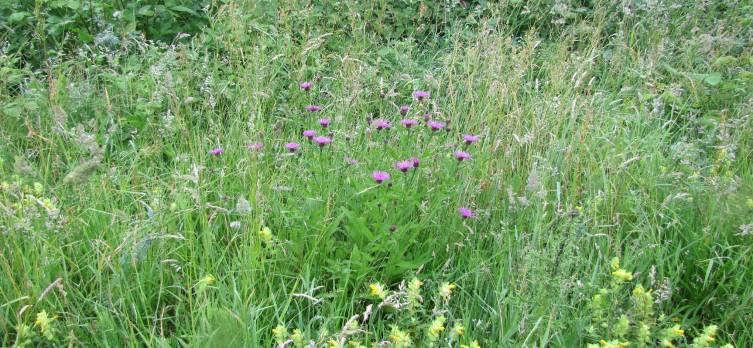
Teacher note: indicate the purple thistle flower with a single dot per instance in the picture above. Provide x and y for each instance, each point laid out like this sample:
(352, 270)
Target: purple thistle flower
(306, 85)
(420, 95)
(321, 141)
(466, 213)
(350, 161)
(312, 108)
(404, 109)
(255, 146)
(403, 166)
(216, 151)
(426, 116)
(435, 125)
(470, 138)
(381, 124)
(415, 162)
(408, 122)
(380, 176)
(309, 133)
(324, 122)
(462, 155)
(292, 147)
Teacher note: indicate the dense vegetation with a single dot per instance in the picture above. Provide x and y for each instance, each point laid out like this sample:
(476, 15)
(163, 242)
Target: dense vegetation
(514, 173)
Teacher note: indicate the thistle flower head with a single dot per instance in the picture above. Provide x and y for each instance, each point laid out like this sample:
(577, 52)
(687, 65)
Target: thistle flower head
(322, 140)
(435, 125)
(216, 151)
(312, 108)
(466, 213)
(309, 133)
(324, 122)
(381, 124)
(403, 166)
(255, 146)
(462, 155)
(420, 95)
(305, 85)
(292, 147)
(404, 109)
(380, 176)
(415, 162)
(408, 122)
(470, 138)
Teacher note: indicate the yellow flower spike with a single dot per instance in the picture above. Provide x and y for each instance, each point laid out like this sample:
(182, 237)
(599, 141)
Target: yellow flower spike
(38, 188)
(377, 290)
(436, 328)
(281, 333)
(458, 330)
(208, 280)
(44, 322)
(615, 263)
(265, 234)
(4, 186)
(445, 290)
(399, 338)
(622, 275)
(297, 338)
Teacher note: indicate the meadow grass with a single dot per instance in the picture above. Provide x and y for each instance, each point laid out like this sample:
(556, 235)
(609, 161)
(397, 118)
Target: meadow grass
(610, 183)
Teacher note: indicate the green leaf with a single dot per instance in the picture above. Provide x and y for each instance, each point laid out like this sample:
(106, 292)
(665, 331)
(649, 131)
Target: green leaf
(18, 17)
(713, 79)
(183, 9)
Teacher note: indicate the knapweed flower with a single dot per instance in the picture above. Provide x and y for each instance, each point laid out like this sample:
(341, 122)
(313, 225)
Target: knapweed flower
(408, 122)
(462, 155)
(324, 122)
(445, 290)
(470, 138)
(309, 133)
(292, 147)
(466, 213)
(404, 109)
(380, 176)
(403, 166)
(426, 116)
(255, 146)
(312, 108)
(415, 162)
(435, 125)
(420, 95)
(377, 290)
(381, 124)
(321, 141)
(216, 151)
(305, 85)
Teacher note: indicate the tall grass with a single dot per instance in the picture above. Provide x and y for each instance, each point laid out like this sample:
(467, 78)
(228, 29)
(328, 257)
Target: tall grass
(623, 131)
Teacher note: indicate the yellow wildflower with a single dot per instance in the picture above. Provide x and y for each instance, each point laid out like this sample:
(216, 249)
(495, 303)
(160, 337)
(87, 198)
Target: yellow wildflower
(297, 338)
(445, 290)
(458, 330)
(622, 275)
(44, 322)
(399, 338)
(38, 188)
(436, 328)
(280, 333)
(265, 234)
(377, 290)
